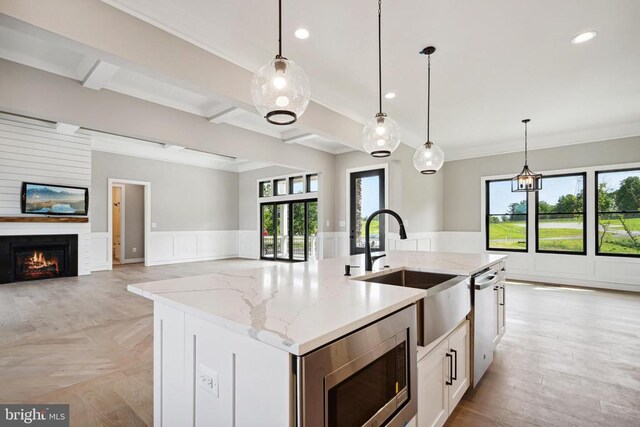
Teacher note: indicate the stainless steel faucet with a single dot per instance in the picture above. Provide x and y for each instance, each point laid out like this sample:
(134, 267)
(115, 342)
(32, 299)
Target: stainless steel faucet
(368, 260)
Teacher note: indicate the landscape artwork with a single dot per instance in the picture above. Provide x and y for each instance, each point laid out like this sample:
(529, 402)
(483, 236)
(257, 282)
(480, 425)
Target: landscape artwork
(54, 200)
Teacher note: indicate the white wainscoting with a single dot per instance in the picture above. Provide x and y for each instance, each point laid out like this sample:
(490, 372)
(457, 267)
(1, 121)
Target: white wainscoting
(589, 270)
(33, 228)
(100, 251)
(170, 247)
(248, 244)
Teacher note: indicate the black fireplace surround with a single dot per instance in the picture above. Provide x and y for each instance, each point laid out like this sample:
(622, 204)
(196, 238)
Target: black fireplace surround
(53, 255)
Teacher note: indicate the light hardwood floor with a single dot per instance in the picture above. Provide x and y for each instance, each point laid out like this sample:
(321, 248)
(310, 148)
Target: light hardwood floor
(570, 356)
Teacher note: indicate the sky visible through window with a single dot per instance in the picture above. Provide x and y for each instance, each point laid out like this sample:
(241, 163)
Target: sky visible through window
(613, 179)
(370, 193)
(555, 187)
(501, 197)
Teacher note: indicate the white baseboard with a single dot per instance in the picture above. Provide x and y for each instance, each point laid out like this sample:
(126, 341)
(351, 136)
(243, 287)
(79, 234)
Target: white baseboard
(195, 259)
(133, 261)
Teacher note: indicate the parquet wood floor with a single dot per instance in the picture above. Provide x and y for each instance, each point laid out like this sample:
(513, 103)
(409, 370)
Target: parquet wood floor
(571, 357)
(86, 341)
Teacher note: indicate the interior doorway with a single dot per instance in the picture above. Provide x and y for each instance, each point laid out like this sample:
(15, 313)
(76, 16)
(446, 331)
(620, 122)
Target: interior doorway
(367, 193)
(129, 221)
(289, 230)
(118, 218)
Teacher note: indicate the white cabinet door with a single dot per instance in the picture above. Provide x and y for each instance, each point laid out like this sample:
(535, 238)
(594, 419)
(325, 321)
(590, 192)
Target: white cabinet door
(433, 396)
(459, 348)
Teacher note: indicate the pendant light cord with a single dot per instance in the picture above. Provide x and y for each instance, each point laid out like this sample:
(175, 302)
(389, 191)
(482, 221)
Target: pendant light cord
(525, 144)
(428, 94)
(279, 28)
(380, 54)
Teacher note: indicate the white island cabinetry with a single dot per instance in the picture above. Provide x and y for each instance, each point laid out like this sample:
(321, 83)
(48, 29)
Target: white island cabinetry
(443, 377)
(227, 344)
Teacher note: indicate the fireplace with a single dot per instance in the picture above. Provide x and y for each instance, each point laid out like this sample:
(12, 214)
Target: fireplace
(38, 257)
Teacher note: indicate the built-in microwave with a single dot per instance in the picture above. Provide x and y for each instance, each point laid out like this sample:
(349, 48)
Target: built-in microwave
(367, 378)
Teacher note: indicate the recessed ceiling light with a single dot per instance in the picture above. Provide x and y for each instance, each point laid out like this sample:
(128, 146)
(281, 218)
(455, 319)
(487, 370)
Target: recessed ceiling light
(302, 33)
(583, 37)
(390, 95)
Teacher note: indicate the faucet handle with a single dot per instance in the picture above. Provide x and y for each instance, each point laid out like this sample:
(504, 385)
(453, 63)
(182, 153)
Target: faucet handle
(347, 269)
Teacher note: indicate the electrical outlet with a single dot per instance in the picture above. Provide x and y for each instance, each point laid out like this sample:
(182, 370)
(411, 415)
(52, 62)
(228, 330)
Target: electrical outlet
(153, 225)
(342, 224)
(208, 380)
(134, 250)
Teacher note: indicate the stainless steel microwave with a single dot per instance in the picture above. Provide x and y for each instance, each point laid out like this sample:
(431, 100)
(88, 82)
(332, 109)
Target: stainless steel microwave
(367, 378)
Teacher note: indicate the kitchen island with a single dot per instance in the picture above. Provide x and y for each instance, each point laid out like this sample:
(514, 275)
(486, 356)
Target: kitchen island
(225, 344)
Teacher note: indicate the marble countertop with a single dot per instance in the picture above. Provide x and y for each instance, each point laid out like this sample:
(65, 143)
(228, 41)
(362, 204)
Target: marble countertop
(299, 307)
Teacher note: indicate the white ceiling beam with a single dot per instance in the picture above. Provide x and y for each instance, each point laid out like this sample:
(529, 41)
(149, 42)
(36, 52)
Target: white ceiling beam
(99, 75)
(97, 26)
(292, 137)
(225, 115)
(66, 128)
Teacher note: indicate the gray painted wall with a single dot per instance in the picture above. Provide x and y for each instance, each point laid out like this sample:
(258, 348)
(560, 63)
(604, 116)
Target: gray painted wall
(133, 221)
(35, 93)
(183, 198)
(416, 197)
(248, 197)
(462, 204)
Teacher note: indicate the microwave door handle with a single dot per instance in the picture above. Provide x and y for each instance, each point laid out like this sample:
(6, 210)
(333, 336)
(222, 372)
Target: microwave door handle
(449, 380)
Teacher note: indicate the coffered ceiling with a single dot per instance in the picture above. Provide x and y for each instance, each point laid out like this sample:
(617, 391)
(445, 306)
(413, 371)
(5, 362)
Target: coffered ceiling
(498, 61)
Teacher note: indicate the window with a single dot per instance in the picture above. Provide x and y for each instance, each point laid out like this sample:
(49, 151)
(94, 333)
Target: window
(264, 189)
(618, 213)
(506, 218)
(296, 185)
(560, 209)
(281, 187)
(312, 183)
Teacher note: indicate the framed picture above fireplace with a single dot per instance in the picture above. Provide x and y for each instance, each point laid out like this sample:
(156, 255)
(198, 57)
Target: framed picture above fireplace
(48, 199)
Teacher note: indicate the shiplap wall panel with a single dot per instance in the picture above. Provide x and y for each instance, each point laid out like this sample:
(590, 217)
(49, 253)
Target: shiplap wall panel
(33, 151)
(36, 152)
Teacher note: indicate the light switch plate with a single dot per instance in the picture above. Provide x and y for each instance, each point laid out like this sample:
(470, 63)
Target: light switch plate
(208, 380)
(153, 225)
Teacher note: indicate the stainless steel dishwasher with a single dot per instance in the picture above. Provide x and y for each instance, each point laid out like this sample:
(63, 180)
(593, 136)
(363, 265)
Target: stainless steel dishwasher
(486, 328)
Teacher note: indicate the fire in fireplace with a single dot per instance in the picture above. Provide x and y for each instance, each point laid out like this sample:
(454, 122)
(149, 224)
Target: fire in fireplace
(33, 257)
(39, 264)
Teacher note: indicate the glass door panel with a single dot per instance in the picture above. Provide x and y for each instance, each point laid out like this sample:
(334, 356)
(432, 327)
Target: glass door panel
(299, 231)
(312, 231)
(366, 196)
(282, 231)
(268, 231)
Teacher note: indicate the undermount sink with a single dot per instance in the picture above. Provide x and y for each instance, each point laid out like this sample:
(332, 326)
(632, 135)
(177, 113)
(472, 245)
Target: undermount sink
(412, 279)
(447, 303)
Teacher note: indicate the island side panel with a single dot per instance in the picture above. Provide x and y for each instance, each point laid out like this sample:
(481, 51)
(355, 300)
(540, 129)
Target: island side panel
(227, 379)
(170, 408)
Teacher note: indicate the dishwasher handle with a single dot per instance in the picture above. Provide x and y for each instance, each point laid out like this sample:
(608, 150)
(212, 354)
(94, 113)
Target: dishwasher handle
(490, 280)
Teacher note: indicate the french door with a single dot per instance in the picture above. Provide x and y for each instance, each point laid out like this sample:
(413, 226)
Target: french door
(289, 230)
(366, 196)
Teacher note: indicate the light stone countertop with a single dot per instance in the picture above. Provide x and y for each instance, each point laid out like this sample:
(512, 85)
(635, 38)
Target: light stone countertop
(299, 307)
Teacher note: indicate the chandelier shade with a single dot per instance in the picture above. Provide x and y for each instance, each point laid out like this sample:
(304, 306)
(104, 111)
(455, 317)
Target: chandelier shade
(280, 89)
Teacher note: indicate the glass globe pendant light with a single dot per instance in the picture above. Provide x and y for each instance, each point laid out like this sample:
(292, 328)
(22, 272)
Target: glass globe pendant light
(429, 158)
(280, 89)
(381, 136)
(526, 180)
